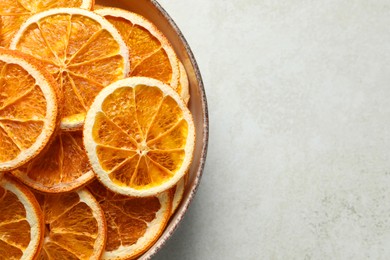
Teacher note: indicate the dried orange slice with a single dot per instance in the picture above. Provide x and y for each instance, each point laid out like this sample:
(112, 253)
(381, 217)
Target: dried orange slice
(139, 136)
(81, 49)
(13, 13)
(184, 85)
(133, 224)
(151, 54)
(62, 167)
(28, 109)
(75, 226)
(21, 221)
(178, 193)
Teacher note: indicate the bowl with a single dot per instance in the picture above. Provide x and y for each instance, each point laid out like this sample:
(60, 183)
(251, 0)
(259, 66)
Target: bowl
(198, 104)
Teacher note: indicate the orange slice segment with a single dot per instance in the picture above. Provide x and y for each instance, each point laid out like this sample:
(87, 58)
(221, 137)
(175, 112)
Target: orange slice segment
(13, 13)
(28, 109)
(133, 224)
(81, 49)
(151, 54)
(21, 221)
(63, 167)
(139, 136)
(75, 226)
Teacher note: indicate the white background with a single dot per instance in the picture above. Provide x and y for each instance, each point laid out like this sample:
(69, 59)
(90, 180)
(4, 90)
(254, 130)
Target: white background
(299, 98)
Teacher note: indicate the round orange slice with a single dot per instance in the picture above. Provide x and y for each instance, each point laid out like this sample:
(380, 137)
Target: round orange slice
(81, 49)
(133, 224)
(13, 13)
(21, 221)
(28, 109)
(139, 137)
(75, 226)
(151, 54)
(63, 167)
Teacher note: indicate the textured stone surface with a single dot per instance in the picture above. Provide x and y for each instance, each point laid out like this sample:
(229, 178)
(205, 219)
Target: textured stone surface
(299, 98)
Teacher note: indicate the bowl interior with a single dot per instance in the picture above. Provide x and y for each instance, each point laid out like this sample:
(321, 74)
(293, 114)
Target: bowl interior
(198, 104)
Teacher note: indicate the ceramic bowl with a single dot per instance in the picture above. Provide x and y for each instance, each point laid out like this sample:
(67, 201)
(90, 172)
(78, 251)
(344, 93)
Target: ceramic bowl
(198, 104)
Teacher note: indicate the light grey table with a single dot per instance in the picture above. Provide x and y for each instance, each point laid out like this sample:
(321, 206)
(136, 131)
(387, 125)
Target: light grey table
(299, 155)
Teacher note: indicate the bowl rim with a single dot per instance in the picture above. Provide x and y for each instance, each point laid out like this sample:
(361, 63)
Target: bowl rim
(199, 172)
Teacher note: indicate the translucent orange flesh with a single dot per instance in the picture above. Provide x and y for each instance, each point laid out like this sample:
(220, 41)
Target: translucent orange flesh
(71, 229)
(60, 167)
(147, 56)
(127, 217)
(82, 56)
(22, 111)
(140, 136)
(14, 228)
(13, 13)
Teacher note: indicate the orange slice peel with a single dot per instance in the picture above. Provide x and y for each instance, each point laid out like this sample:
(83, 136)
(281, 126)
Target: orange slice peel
(184, 85)
(178, 194)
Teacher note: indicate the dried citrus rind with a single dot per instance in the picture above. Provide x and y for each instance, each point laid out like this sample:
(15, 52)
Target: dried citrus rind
(28, 109)
(82, 50)
(139, 136)
(178, 193)
(184, 85)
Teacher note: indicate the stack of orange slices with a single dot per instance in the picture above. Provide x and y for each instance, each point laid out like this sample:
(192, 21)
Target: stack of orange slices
(96, 139)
